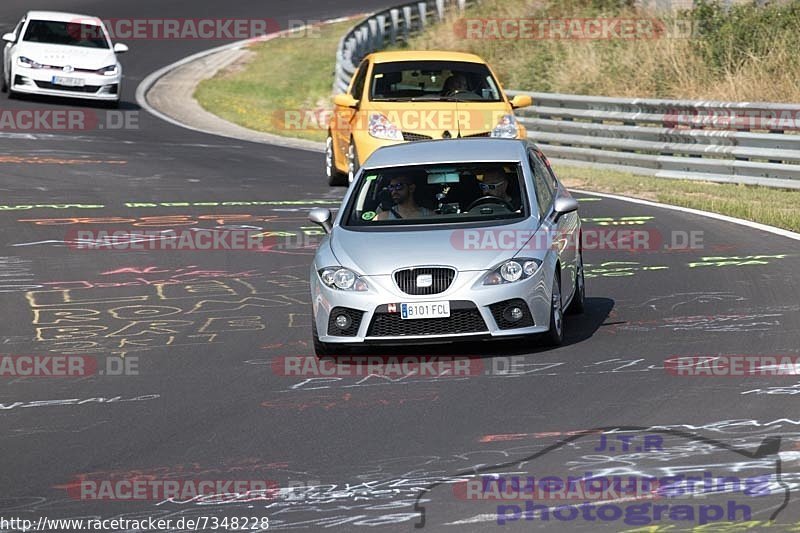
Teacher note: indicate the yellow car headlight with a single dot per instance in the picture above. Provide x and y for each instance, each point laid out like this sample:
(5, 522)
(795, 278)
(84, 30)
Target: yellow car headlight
(381, 128)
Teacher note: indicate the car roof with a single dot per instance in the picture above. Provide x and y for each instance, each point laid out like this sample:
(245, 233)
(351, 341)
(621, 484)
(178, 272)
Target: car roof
(424, 55)
(448, 151)
(60, 16)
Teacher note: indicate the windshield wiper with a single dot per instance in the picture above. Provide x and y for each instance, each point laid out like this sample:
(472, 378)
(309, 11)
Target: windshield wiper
(430, 98)
(438, 99)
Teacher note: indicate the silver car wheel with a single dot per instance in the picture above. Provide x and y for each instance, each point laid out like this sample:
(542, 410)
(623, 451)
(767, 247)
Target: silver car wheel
(558, 317)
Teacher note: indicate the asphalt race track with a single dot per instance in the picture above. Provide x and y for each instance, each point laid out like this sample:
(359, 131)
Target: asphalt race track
(207, 402)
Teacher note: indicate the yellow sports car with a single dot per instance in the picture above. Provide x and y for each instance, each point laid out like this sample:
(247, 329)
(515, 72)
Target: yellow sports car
(396, 97)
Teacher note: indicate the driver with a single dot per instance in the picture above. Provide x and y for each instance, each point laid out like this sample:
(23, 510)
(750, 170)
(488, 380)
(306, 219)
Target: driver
(496, 183)
(455, 84)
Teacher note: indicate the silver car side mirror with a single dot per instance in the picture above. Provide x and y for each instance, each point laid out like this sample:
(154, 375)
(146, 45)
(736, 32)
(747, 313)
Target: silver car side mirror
(321, 216)
(9, 37)
(564, 205)
(120, 48)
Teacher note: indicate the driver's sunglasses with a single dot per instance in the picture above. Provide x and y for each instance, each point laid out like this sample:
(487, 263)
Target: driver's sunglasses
(396, 186)
(490, 186)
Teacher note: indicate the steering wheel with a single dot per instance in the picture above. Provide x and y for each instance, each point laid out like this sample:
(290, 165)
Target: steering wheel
(490, 200)
(456, 92)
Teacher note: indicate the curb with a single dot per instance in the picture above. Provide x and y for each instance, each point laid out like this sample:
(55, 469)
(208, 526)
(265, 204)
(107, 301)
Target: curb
(207, 122)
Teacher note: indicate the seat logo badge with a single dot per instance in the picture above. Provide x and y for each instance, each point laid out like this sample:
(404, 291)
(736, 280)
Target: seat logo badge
(68, 68)
(424, 280)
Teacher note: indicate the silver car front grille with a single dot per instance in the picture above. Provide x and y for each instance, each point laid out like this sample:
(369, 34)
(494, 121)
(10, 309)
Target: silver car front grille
(424, 280)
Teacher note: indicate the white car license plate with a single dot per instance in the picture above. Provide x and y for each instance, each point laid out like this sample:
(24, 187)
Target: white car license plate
(424, 310)
(68, 82)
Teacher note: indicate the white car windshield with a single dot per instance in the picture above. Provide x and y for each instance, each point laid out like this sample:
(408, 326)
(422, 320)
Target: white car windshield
(438, 194)
(65, 34)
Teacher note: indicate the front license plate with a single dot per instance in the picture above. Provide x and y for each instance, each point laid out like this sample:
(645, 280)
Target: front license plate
(68, 82)
(425, 310)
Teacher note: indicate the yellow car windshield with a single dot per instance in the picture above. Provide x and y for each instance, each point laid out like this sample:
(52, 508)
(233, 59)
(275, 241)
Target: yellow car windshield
(433, 81)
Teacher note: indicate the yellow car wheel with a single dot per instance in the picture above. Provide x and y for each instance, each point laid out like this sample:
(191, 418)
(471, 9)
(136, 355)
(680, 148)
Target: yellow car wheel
(335, 176)
(352, 161)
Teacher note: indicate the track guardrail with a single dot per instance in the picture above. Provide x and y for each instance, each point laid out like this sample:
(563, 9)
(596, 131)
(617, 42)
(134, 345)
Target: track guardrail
(754, 143)
(385, 28)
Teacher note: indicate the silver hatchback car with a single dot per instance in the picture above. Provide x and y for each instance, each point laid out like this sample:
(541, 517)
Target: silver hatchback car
(438, 241)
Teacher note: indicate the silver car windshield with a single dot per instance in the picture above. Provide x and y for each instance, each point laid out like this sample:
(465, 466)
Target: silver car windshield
(437, 195)
(65, 33)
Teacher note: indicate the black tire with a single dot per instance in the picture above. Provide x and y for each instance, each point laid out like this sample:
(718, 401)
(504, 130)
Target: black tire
(578, 303)
(3, 85)
(335, 177)
(555, 335)
(11, 93)
(352, 161)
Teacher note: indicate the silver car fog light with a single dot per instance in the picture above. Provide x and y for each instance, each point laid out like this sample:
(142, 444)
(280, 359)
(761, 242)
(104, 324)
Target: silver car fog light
(513, 313)
(342, 321)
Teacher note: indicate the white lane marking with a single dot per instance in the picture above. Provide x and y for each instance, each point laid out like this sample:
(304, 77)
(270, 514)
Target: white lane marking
(717, 216)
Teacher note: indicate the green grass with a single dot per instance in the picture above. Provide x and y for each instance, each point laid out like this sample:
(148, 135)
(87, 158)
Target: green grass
(741, 53)
(297, 74)
(279, 81)
(775, 207)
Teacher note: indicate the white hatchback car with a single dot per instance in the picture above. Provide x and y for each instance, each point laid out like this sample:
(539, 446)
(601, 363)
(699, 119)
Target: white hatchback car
(62, 54)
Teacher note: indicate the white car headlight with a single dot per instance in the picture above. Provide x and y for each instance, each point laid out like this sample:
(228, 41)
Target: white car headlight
(381, 128)
(23, 61)
(343, 279)
(111, 70)
(512, 270)
(506, 128)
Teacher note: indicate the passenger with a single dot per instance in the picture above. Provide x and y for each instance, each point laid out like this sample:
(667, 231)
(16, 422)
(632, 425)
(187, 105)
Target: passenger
(402, 188)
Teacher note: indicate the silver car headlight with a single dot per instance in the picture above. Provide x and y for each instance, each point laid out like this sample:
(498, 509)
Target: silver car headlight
(506, 128)
(111, 70)
(381, 128)
(512, 270)
(343, 279)
(23, 61)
